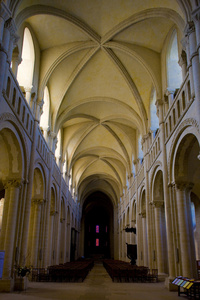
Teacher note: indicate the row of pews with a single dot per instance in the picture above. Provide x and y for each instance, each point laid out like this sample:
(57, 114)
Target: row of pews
(68, 272)
(121, 271)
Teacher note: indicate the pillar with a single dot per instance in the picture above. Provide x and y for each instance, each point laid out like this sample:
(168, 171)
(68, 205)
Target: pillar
(36, 231)
(194, 60)
(27, 210)
(28, 91)
(12, 196)
(159, 245)
(171, 257)
(184, 233)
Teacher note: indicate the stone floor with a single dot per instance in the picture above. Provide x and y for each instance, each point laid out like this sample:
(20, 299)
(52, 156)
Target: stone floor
(97, 286)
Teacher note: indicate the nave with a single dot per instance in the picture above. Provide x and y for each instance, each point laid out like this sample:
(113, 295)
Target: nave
(97, 286)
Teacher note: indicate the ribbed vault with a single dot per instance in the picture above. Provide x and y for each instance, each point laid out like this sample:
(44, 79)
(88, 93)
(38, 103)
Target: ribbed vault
(100, 61)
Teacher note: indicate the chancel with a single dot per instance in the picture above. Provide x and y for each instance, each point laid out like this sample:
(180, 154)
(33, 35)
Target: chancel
(99, 141)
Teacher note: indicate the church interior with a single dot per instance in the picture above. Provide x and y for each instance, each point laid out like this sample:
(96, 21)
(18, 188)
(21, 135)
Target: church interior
(99, 135)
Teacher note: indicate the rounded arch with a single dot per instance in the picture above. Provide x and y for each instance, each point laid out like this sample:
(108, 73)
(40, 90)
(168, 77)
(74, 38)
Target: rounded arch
(26, 68)
(156, 169)
(54, 204)
(189, 126)
(142, 200)
(39, 183)
(15, 134)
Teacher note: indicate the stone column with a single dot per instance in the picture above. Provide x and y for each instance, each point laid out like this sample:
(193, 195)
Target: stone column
(196, 19)
(50, 244)
(159, 245)
(12, 189)
(5, 14)
(170, 94)
(29, 195)
(194, 59)
(5, 214)
(16, 60)
(46, 261)
(28, 91)
(171, 257)
(4, 48)
(36, 231)
(63, 239)
(68, 244)
(184, 233)
(144, 230)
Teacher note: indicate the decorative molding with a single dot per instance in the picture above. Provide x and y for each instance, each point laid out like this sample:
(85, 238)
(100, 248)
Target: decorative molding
(12, 182)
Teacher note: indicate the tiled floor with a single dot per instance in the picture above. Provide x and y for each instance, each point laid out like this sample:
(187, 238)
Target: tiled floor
(97, 286)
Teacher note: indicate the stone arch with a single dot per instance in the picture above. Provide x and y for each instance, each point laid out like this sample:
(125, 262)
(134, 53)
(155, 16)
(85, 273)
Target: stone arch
(185, 177)
(142, 201)
(188, 126)
(9, 122)
(13, 166)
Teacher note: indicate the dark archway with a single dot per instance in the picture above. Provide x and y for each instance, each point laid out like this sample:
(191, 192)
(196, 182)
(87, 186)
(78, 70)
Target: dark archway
(98, 222)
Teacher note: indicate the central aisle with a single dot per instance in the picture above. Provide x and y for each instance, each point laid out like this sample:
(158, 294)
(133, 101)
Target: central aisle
(97, 286)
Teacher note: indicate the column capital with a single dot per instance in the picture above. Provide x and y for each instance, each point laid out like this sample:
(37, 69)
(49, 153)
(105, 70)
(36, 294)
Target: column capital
(10, 25)
(169, 91)
(190, 28)
(184, 185)
(28, 89)
(142, 214)
(182, 59)
(159, 102)
(13, 182)
(53, 212)
(16, 58)
(38, 201)
(158, 203)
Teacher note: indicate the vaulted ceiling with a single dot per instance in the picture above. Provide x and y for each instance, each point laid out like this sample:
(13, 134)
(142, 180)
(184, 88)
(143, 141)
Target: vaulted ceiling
(100, 60)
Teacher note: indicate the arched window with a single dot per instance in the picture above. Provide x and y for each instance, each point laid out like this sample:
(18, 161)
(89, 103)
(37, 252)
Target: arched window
(26, 68)
(153, 112)
(140, 152)
(44, 119)
(58, 148)
(174, 74)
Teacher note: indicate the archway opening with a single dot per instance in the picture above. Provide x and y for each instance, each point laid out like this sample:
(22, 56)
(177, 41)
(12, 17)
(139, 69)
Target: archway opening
(98, 223)
(187, 177)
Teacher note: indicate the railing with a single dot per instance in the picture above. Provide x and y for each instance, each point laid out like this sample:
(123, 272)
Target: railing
(16, 100)
(56, 173)
(133, 189)
(154, 149)
(178, 108)
(42, 147)
(140, 174)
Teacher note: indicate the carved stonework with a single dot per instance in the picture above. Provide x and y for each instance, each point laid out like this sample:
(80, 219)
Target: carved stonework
(158, 204)
(190, 28)
(38, 201)
(184, 186)
(53, 212)
(15, 182)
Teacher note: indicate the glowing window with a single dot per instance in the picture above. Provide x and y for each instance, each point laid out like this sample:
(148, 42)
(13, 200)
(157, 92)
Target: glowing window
(97, 228)
(174, 74)
(25, 69)
(97, 242)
